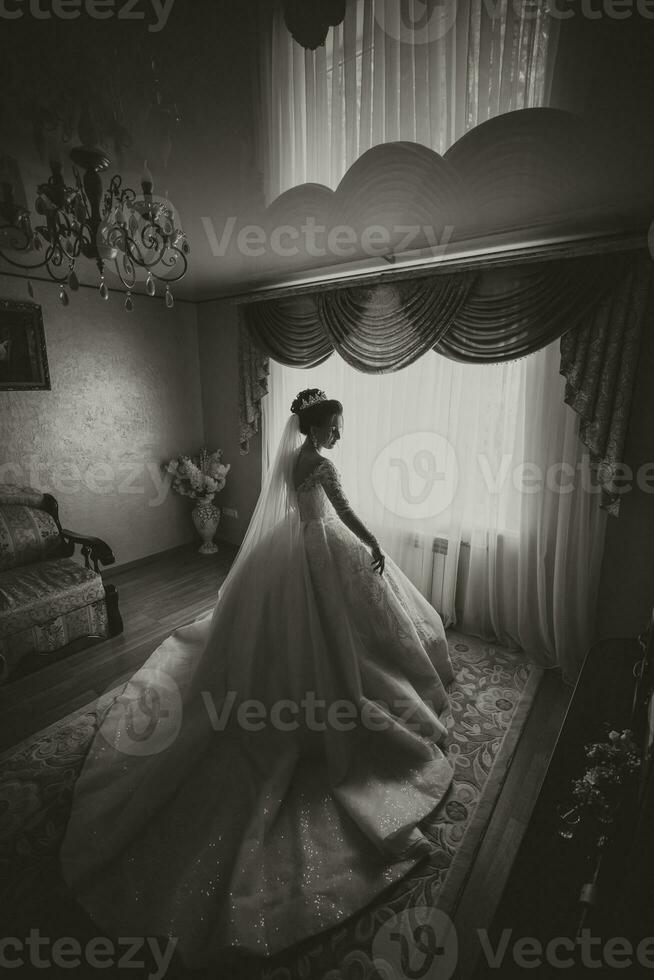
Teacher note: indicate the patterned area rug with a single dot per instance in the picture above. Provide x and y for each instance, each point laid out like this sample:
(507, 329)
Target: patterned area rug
(490, 699)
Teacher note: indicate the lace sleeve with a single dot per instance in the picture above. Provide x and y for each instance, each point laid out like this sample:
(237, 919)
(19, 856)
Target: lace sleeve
(331, 484)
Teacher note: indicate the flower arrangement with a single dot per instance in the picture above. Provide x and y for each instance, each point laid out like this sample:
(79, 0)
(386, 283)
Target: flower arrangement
(198, 477)
(612, 773)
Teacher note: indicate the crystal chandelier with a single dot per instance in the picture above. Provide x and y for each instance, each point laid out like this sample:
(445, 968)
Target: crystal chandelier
(116, 228)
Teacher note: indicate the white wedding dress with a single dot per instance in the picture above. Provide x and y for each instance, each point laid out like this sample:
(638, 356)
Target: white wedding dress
(261, 778)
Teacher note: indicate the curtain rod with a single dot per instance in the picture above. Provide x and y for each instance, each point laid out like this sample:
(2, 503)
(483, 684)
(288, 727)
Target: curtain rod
(481, 259)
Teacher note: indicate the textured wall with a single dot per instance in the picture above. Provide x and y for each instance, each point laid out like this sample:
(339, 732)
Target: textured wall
(218, 343)
(125, 396)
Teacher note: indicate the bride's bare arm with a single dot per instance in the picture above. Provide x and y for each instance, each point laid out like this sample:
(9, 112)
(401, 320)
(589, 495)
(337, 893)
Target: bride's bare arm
(332, 485)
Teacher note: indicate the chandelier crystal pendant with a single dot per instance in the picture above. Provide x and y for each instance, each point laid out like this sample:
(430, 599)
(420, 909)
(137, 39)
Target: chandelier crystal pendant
(116, 228)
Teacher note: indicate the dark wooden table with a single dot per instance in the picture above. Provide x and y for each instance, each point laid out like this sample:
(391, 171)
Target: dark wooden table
(541, 897)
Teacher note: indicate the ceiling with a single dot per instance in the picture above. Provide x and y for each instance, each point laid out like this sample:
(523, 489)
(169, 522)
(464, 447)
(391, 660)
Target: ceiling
(203, 65)
(204, 61)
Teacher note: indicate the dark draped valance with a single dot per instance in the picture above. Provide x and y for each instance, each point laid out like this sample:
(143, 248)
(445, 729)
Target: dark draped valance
(385, 328)
(513, 312)
(289, 331)
(596, 305)
(477, 317)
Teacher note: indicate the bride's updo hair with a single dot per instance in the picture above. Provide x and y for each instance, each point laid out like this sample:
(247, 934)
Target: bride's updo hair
(317, 414)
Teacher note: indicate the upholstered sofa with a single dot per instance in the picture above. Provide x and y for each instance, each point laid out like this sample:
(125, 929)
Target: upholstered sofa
(48, 599)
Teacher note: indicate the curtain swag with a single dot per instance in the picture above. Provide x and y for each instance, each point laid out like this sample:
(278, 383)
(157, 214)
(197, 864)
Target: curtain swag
(484, 317)
(475, 317)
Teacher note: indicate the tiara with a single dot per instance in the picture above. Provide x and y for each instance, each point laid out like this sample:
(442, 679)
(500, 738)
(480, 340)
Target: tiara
(311, 400)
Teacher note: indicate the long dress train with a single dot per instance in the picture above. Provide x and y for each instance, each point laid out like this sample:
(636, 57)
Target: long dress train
(262, 776)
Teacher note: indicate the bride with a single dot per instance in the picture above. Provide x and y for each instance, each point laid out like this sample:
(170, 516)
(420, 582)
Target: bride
(262, 776)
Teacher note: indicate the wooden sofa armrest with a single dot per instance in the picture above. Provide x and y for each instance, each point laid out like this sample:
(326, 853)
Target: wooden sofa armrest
(94, 549)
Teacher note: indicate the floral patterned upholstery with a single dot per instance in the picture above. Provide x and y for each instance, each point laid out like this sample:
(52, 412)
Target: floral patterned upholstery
(52, 636)
(27, 535)
(43, 591)
(45, 601)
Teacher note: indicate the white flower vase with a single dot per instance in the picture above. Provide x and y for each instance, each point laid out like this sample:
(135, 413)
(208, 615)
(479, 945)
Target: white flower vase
(206, 517)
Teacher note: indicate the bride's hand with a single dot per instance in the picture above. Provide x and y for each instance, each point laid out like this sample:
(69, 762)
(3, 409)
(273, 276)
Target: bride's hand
(378, 559)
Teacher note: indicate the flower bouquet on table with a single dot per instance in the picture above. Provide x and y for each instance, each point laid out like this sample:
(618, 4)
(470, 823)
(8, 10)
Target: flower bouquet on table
(201, 478)
(600, 800)
(612, 768)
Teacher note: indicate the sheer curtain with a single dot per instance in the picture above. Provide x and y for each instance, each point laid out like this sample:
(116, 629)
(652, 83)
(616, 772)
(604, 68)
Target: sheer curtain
(455, 467)
(414, 70)
(475, 481)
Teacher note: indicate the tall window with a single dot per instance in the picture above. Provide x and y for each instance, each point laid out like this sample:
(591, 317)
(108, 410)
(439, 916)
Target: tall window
(454, 467)
(414, 70)
(425, 447)
(475, 481)
(429, 455)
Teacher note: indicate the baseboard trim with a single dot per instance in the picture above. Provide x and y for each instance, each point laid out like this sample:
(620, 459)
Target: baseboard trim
(112, 570)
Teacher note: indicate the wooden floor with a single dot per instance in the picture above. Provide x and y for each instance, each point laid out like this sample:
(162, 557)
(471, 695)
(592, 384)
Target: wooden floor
(155, 598)
(177, 588)
(511, 815)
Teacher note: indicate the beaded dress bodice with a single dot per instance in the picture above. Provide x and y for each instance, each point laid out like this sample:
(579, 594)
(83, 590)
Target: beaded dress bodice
(320, 497)
(314, 503)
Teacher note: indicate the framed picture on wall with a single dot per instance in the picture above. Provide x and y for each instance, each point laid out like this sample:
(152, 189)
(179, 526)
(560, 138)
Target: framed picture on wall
(23, 357)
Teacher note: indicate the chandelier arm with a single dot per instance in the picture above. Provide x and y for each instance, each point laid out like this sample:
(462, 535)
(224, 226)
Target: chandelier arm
(49, 261)
(129, 247)
(133, 250)
(21, 265)
(86, 220)
(164, 258)
(20, 243)
(127, 283)
(171, 262)
(82, 197)
(153, 238)
(71, 256)
(56, 257)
